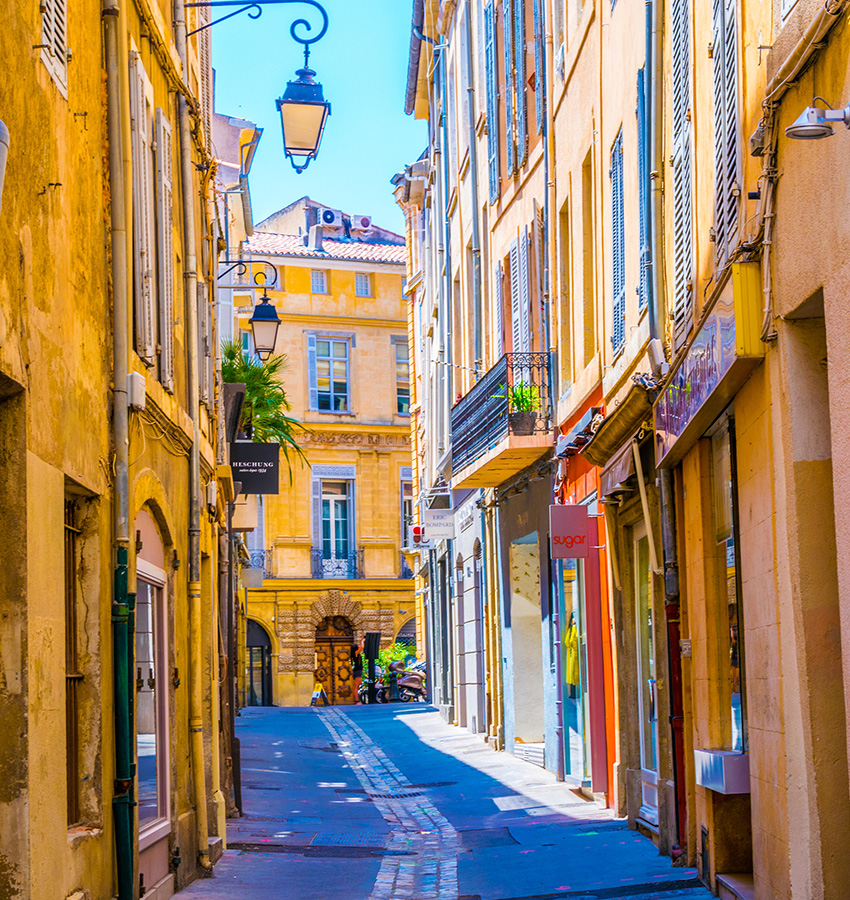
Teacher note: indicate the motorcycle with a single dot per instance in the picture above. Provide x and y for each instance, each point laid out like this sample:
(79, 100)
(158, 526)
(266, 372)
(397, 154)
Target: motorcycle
(380, 688)
(410, 682)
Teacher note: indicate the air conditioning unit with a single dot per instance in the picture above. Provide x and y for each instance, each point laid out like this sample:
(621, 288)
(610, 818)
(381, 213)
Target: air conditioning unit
(361, 223)
(329, 218)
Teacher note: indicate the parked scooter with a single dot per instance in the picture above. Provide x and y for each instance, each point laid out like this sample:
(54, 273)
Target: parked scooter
(380, 688)
(410, 683)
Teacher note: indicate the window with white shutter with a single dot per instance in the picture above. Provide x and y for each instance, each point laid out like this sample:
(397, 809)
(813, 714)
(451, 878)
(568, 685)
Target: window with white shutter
(54, 41)
(726, 143)
(521, 114)
(525, 291)
(143, 217)
(682, 301)
(510, 125)
(165, 249)
(618, 247)
(492, 75)
(499, 340)
(205, 63)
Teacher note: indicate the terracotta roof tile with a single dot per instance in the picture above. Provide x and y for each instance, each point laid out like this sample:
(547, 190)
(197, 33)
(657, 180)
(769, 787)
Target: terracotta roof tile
(293, 245)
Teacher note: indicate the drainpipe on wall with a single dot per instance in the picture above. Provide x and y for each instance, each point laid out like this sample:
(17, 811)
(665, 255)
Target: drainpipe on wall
(190, 281)
(122, 602)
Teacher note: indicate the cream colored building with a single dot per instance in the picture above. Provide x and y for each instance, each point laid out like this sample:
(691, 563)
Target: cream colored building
(332, 537)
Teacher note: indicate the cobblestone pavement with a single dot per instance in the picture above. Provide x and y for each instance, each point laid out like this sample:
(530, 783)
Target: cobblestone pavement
(390, 803)
(428, 868)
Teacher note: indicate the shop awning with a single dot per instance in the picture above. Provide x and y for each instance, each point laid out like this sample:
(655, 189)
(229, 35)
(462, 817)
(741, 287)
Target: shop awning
(618, 471)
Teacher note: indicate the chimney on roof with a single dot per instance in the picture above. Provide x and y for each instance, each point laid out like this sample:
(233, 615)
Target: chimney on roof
(311, 215)
(314, 237)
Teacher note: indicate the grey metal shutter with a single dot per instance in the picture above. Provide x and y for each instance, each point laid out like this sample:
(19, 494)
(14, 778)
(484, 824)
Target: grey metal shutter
(539, 82)
(618, 248)
(165, 249)
(521, 114)
(643, 192)
(726, 143)
(312, 379)
(510, 126)
(492, 76)
(682, 301)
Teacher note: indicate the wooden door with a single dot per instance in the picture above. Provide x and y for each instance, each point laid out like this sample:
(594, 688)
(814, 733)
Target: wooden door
(334, 636)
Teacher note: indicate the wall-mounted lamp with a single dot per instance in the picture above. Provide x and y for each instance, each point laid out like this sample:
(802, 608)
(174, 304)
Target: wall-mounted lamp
(303, 113)
(815, 122)
(264, 325)
(4, 152)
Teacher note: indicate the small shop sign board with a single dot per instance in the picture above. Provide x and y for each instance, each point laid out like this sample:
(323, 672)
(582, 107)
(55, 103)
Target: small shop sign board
(439, 524)
(255, 466)
(568, 532)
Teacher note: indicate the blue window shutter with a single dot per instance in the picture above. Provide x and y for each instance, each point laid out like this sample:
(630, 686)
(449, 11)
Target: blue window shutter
(525, 293)
(618, 249)
(317, 512)
(510, 126)
(521, 113)
(516, 303)
(682, 226)
(312, 379)
(643, 191)
(492, 74)
(725, 59)
(500, 325)
(539, 82)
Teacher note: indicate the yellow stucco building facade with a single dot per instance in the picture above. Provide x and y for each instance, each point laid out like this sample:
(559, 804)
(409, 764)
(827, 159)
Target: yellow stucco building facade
(331, 540)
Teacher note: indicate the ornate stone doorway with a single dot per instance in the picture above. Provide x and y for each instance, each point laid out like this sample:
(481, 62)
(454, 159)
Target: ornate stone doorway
(334, 637)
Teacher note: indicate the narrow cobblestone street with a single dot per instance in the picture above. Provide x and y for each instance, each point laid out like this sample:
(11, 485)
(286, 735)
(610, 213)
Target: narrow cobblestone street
(392, 804)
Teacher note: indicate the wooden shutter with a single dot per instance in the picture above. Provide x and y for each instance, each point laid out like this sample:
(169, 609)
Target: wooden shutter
(54, 38)
(205, 63)
(643, 192)
(499, 348)
(492, 75)
(539, 82)
(510, 126)
(618, 249)
(525, 292)
(165, 249)
(726, 144)
(312, 379)
(516, 313)
(682, 302)
(145, 323)
(203, 342)
(521, 114)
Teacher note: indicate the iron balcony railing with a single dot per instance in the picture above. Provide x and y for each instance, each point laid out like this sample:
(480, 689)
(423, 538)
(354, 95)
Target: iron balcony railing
(262, 559)
(327, 564)
(514, 397)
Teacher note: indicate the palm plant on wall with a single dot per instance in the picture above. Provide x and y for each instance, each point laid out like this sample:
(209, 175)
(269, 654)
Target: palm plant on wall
(264, 412)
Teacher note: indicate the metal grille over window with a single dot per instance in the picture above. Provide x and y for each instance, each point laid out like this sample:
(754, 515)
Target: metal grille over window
(618, 249)
(363, 284)
(319, 281)
(492, 100)
(72, 664)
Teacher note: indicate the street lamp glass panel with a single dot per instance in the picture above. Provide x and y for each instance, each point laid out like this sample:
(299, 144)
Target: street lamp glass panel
(264, 325)
(302, 124)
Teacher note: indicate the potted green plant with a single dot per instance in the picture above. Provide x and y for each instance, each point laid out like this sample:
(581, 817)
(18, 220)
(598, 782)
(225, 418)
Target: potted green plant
(523, 405)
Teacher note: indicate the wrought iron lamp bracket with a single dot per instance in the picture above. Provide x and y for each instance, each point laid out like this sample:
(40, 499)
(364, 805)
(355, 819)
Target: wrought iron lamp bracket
(242, 266)
(254, 8)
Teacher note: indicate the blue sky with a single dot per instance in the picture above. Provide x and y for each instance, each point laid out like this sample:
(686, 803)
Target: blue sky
(362, 64)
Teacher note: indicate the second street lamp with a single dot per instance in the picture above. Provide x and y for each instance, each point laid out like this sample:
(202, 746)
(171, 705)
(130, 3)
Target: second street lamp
(264, 325)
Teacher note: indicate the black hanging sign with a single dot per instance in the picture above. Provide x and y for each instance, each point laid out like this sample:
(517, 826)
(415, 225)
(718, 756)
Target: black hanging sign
(255, 466)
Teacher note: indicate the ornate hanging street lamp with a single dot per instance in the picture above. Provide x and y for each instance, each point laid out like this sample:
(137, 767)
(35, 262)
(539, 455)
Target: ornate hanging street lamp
(264, 325)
